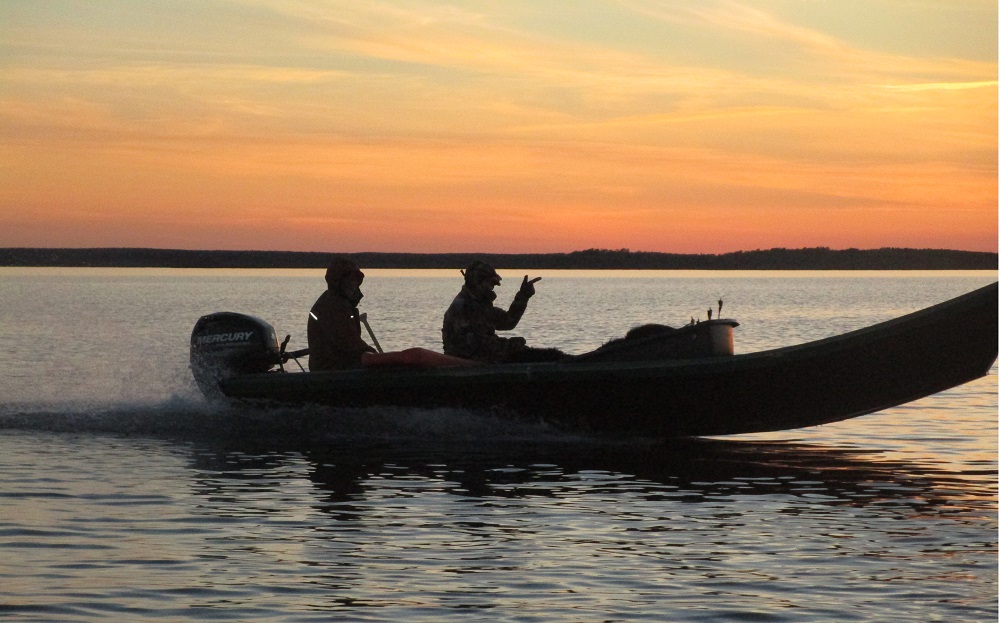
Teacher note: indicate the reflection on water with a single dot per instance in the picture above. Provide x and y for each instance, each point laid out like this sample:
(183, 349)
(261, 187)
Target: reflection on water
(787, 526)
(522, 524)
(692, 470)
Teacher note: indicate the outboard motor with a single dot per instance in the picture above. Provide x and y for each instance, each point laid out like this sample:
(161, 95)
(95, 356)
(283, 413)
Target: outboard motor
(227, 344)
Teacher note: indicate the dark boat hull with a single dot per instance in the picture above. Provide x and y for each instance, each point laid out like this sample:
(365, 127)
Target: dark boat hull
(806, 385)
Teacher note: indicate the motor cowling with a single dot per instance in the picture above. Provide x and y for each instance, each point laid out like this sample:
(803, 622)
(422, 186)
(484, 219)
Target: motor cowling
(228, 344)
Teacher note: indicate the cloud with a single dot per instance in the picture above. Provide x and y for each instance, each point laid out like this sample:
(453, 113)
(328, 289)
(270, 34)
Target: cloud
(943, 86)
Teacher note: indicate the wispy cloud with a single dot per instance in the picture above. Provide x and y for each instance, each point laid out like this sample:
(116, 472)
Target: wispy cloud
(943, 86)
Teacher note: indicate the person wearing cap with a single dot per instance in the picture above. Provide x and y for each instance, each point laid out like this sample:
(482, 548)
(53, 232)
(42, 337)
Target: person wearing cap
(334, 326)
(472, 321)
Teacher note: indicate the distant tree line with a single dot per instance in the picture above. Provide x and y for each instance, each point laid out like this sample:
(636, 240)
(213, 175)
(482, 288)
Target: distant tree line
(816, 258)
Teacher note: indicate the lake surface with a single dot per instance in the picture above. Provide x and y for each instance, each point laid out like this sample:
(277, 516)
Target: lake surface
(124, 495)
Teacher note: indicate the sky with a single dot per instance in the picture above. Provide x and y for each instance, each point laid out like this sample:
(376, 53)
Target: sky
(517, 126)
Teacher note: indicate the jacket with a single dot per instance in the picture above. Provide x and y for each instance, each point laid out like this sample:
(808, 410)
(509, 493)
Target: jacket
(334, 334)
(471, 323)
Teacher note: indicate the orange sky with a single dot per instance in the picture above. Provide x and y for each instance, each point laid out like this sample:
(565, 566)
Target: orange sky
(689, 127)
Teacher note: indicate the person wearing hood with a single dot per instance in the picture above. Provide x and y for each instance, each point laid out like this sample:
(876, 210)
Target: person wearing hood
(334, 326)
(472, 321)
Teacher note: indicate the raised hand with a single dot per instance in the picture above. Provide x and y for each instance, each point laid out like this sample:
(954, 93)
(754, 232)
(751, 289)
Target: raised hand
(528, 287)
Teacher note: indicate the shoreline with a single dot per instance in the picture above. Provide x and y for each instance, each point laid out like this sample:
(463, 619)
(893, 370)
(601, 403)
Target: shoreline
(816, 258)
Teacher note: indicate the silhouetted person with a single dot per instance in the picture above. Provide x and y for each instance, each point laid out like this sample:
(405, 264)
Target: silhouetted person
(334, 327)
(472, 321)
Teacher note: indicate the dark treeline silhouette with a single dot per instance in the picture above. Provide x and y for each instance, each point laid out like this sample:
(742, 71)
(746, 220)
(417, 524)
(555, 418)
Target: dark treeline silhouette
(817, 258)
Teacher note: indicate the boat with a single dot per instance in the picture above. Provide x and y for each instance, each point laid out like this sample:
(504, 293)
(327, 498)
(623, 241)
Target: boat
(662, 383)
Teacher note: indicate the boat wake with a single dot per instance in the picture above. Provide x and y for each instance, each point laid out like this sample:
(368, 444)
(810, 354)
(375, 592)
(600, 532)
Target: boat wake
(194, 417)
(172, 415)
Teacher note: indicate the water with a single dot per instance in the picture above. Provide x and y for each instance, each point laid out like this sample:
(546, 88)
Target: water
(125, 496)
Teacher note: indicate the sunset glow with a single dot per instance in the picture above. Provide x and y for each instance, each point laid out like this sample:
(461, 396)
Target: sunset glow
(689, 127)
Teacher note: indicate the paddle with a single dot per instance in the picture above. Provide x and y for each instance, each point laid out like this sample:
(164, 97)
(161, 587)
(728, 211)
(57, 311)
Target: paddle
(364, 320)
